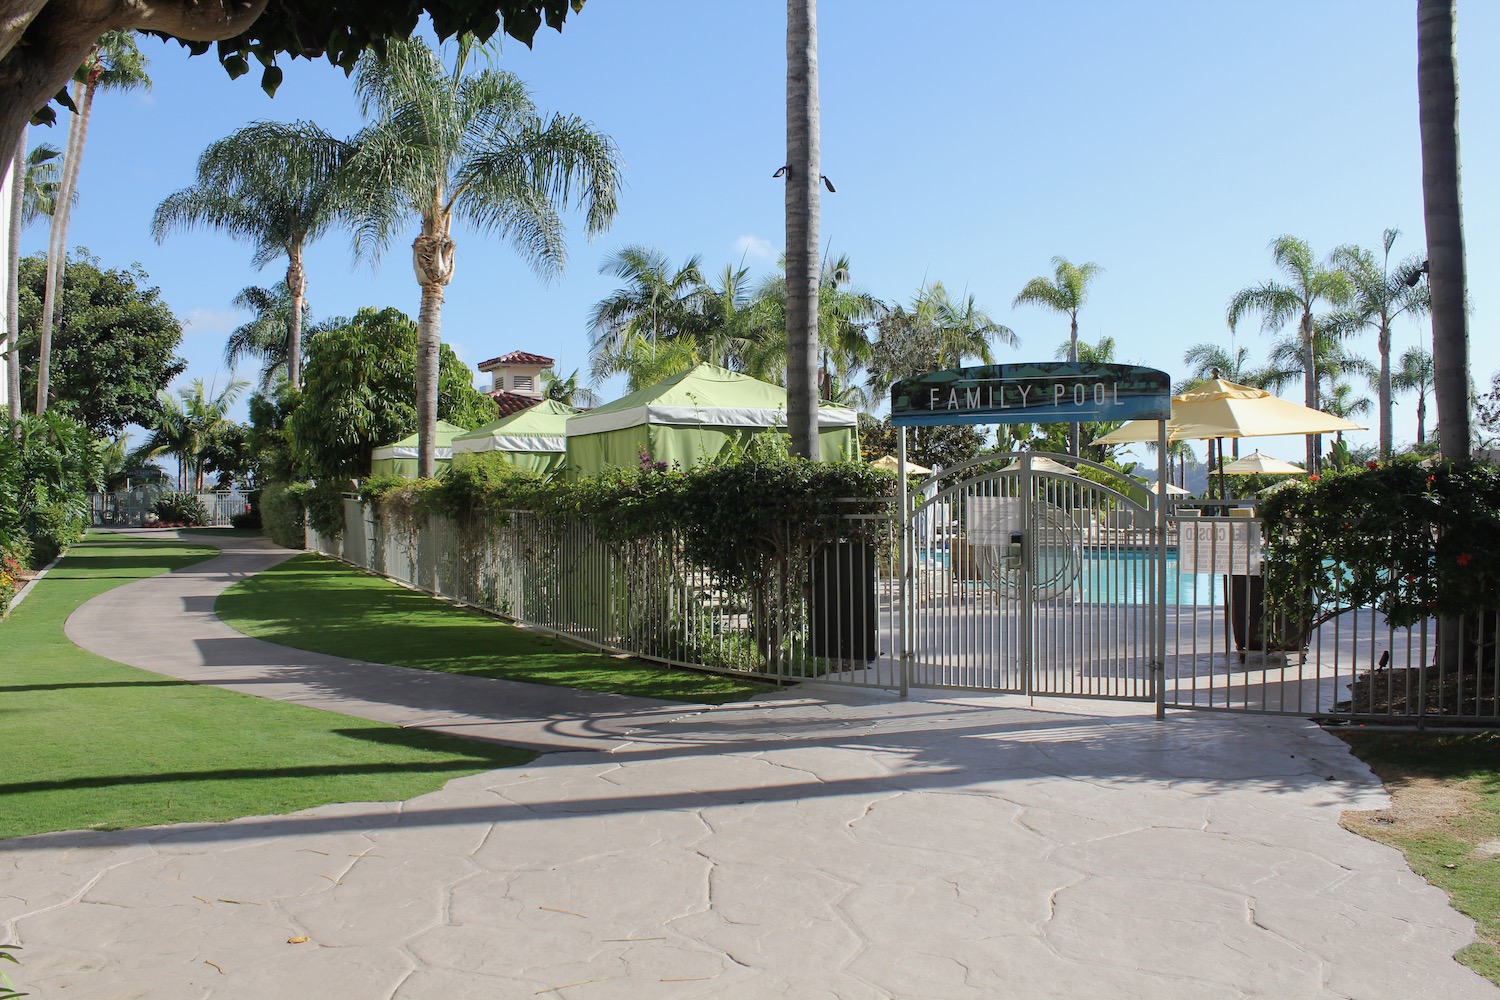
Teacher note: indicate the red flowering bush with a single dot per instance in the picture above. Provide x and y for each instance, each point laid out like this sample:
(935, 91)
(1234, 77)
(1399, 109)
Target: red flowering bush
(1411, 542)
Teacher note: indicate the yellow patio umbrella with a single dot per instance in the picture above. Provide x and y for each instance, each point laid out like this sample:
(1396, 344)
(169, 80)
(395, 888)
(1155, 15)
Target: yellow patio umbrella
(1220, 408)
(1172, 490)
(1257, 463)
(890, 463)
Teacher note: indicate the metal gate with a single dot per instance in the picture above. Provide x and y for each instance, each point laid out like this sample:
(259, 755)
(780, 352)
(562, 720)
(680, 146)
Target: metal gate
(1022, 574)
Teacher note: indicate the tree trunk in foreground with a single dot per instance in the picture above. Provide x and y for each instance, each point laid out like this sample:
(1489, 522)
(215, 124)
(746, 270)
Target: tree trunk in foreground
(13, 282)
(432, 257)
(803, 175)
(1437, 94)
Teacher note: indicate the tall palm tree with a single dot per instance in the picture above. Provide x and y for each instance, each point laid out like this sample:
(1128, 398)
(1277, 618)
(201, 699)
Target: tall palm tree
(191, 422)
(1065, 292)
(1308, 284)
(1204, 359)
(448, 144)
(267, 338)
(803, 171)
(1380, 295)
(657, 301)
(1437, 95)
(275, 186)
(114, 64)
(35, 181)
(1342, 402)
(1415, 372)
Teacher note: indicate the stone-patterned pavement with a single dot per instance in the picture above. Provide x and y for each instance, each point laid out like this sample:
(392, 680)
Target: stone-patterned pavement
(820, 844)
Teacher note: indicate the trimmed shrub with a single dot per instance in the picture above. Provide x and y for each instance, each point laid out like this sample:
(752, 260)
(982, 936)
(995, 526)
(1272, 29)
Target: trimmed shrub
(325, 509)
(282, 514)
(53, 527)
(176, 508)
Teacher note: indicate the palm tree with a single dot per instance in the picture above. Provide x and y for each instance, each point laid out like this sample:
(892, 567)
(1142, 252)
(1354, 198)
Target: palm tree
(1437, 92)
(1380, 295)
(1206, 361)
(803, 171)
(934, 332)
(567, 390)
(1102, 353)
(36, 179)
(657, 302)
(1308, 284)
(191, 423)
(275, 186)
(447, 144)
(114, 64)
(644, 361)
(1342, 402)
(267, 337)
(846, 314)
(1416, 373)
(1065, 292)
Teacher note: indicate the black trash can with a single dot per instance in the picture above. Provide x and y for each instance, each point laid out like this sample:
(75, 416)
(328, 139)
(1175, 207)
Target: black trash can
(844, 618)
(1246, 611)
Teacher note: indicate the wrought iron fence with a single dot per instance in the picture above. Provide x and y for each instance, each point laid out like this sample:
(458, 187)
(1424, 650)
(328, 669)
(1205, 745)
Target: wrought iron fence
(132, 508)
(813, 612)
(832, 613)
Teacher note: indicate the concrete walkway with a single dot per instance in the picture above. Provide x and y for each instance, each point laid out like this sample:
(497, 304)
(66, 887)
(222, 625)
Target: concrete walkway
(823, 844)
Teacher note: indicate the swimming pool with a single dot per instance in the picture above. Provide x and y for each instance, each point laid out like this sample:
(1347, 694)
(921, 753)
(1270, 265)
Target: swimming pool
(1121, 576)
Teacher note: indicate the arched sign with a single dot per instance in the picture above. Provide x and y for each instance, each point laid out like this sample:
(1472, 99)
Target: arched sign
(1049, 392)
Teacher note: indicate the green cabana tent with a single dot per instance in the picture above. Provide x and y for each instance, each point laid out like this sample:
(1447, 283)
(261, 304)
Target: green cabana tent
(532, 438)
(700, 415)
(400, 457)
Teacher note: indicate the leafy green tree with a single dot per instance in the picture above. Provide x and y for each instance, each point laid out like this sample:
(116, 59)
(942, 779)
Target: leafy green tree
(271, 452)
(267, 337)
(657, 301)
(449, 144)
(1307, 285)
(47, 40)
(275, 186)
(114, 63)
(1065, 292)
(934, 331)
(35, 196)
(115, 345)
(193, 427)
(356, 393)
(1415, 373)
(1381, 294)
(846, 318)
(943, 445)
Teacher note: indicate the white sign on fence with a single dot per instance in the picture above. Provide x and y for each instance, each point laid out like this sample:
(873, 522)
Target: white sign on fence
(1223, 547)
(990, 520)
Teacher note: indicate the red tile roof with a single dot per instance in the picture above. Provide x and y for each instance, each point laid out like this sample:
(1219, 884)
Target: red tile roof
(515, 358)
(511, 402)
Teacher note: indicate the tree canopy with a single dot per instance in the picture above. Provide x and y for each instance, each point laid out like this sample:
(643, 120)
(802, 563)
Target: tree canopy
(357, 392)
(115, 345)
(43, 41)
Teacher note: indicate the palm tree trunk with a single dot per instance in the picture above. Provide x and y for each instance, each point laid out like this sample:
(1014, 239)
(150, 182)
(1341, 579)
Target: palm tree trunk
(1383, 344)
(802, 213)
(57, 250)
(1073, 357)
(1437, 96)
(432, 258)
(13, 283)
(1310, 386)
(1422, 416)
(296, 284)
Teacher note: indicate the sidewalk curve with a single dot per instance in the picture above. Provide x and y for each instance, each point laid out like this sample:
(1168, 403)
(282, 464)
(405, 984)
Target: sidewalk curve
(819, 844)
(166, 624)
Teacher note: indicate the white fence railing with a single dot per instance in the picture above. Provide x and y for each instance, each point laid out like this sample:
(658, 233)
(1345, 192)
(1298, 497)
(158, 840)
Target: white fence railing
(832, 614)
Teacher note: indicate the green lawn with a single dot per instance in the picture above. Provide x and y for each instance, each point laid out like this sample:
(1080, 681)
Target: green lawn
(1445, 817)
(89, 743)
(316, 603)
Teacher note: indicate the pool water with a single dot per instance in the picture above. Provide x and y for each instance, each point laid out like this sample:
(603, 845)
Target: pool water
(1125, 576)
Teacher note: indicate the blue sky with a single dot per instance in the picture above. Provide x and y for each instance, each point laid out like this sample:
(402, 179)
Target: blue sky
(1168, 141)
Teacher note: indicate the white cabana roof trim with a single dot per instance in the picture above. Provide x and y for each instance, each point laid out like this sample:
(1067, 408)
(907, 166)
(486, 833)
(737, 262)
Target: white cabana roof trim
(692, 416)
(403, 451)
(513, 442)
